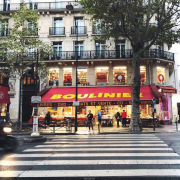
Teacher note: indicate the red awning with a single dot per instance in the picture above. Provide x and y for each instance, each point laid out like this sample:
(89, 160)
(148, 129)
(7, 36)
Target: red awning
(167, 89)
(4, 96)
(94, 95)
(155, 90)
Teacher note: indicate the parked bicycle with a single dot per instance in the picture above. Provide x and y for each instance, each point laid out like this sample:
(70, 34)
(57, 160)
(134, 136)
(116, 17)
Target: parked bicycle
(17, 126)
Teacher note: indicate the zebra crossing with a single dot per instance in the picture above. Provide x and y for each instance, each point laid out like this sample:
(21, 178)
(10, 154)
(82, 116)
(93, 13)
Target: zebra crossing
(94, 156)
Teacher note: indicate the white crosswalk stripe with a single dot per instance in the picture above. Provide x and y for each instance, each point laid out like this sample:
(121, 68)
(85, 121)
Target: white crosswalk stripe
(122, 155)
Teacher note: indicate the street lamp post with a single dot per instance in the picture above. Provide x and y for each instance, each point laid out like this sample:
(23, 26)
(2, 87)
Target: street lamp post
(76, 53)
(35, 117)
(69, 7)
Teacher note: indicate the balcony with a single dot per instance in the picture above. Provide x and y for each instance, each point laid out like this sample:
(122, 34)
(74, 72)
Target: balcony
(110, 54)
(56, 31)
(78, 30)
(4, 32)
(41, 6)
(88, 55)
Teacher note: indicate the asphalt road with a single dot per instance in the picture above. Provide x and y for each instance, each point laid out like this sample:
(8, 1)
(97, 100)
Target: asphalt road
(95, 157)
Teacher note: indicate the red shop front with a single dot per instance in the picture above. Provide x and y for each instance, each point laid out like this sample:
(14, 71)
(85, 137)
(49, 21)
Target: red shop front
(109, 100)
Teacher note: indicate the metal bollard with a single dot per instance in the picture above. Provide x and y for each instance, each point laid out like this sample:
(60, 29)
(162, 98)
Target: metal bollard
(54, 128)
(176, 124)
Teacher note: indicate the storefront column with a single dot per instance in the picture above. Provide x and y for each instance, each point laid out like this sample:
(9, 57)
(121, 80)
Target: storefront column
(130, 72)
(110, 75)
(154, 75)
(61, 76)
(167, 75)
(91, 76)
(73, 76)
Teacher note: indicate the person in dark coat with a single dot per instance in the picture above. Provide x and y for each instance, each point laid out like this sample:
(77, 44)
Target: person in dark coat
(48, 118)
(90, 120)
(7, 117)
(118, 117)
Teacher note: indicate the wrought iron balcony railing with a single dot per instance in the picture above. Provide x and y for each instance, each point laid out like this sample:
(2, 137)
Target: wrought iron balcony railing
(78, 30)
(57, 31)
(86, 55)
(39, 5)
(110, 54)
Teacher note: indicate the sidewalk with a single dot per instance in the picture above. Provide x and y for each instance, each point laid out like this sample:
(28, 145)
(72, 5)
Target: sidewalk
(103, 130)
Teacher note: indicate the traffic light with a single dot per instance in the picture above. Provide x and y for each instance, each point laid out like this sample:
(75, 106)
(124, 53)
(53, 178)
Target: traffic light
(30, 70)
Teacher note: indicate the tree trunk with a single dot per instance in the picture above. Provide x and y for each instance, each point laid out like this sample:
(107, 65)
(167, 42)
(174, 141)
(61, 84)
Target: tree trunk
(135, 123)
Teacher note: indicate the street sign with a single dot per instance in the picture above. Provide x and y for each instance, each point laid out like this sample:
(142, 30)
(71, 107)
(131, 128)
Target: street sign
(36, 99)
(75, 103)
(154, 102)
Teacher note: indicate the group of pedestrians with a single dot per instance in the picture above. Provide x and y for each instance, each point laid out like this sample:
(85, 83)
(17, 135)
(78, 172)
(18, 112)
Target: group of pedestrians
(120, 118)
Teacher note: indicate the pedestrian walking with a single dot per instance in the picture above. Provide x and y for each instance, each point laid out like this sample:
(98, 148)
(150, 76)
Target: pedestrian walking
(99, 117)
(7, 117)
(99, 120)
(124, 118)
(48, 118)
(118, 118)
(89, 120)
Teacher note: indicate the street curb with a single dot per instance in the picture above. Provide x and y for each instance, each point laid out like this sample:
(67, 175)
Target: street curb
(34, 139)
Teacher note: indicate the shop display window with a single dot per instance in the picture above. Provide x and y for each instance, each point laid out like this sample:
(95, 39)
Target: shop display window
(164, 104)
(82, 77)
(67, 77)
(53, 77)
(161, 75)
(145, 111)
(82, 111)
(143, 74)
(120, 75)
(67, 111)
(3, 109)
(101, 75)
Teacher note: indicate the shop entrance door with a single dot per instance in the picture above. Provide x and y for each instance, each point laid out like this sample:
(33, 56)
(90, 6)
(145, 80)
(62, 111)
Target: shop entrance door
(28, 90)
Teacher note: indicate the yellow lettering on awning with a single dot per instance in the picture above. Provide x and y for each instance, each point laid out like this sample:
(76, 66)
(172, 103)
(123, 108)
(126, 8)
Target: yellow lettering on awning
(92, 96)
(140, 95)
(82, 97)
(126, 95)
(112, 95)
(118, 95)
(69, 96)
(100, 95)
(56, 96)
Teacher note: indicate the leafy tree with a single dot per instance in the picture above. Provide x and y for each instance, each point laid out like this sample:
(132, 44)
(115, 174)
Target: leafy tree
(19, 47)
(144, 23)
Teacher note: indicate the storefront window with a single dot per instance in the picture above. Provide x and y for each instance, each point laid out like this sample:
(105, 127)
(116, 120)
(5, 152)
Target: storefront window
(164, 108)
(161, 75)
(82, 77)
(145, 111)
(3, 109)
(101, 75)
(67, 77)
(53, 77)
(143, 74)
(67, 111)
(120, 75)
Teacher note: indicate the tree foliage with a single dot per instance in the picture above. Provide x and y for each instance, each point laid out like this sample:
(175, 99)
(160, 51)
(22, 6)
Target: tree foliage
(20, 45)
(144, 23)
(141, 21)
